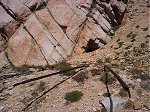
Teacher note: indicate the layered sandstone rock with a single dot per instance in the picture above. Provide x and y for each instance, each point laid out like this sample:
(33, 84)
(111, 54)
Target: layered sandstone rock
(62, 28)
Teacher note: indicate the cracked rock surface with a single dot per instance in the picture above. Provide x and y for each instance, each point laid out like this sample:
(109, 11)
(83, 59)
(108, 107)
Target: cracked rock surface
(41, 32)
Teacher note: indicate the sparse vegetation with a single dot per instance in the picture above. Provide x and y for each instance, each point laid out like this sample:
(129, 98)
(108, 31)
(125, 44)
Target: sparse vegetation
(133, 37)
(96, 71)
(129, 35)
(138, 73)
(22, 69)
(110, 80)
(120, 44)
(138, 52)
(118, 40)
(103, 110)
(107, 60)
(73, 96)
(99, 62)
(34, 94)
(81, 76)
(64, 66)
(143, 45)
(129, 60)
(41, 86)
(106, 94)
(115, 28)
(128, 47)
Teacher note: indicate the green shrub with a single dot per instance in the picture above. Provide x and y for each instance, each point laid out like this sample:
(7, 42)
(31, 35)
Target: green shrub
(34, 94)
(73, 96)
(143, 45)
(41, 86)
(106, 94)
(110, 80)
(61, 66)
(115, 28)
(96, 72)
(81, 76)
(99, 62)
(128, 47)
(133, 37)
(118, 40)
(23, 68)
(103, 110)
(120, 44)
(108, 60)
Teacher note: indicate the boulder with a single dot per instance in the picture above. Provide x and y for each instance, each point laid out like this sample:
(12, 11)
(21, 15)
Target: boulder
(61, 29)
(117, 103)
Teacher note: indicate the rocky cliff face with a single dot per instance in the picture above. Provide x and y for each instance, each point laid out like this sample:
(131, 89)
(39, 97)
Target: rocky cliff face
(41, 32)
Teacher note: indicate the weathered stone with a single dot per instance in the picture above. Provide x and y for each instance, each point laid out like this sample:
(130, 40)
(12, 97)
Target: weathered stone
(136, 105)
(3, 59)
(62, 28)
(2, 109)
(117, 103)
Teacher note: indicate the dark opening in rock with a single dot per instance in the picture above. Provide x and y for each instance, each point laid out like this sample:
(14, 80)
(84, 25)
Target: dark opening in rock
(64, 28)
(93, 45)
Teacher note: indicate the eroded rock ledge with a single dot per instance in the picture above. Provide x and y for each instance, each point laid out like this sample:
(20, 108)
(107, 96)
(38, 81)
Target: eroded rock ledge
(45, 32)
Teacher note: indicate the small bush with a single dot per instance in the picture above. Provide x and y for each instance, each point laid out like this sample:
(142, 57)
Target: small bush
(81, 76)
(129, 35)
(96, 72)
(106, 94)
(133, 37)
(143, 45)
(110, 80)
(64, 66)
(128, 47)
(103, 110)
(34, 94)
(118, 40)
(41, 86)
(115, 28)
(23, 68)
(108, 60)
(99, 62)
(120, 44)
(73, 96)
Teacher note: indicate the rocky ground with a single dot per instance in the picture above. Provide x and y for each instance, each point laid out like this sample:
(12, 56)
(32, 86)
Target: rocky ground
(127, 54)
